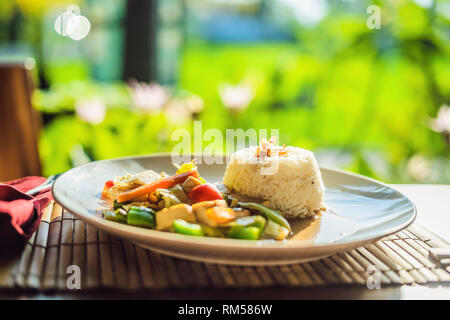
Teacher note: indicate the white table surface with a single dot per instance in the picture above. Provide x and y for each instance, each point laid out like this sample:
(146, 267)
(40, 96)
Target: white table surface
(433, 206)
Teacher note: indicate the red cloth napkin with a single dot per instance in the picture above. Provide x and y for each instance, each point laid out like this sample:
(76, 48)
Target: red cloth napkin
(21, 211)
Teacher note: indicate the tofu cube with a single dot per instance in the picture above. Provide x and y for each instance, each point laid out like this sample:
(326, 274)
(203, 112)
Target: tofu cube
(165, 217)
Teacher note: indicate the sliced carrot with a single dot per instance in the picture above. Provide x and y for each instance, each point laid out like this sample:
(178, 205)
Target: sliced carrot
(160, 184)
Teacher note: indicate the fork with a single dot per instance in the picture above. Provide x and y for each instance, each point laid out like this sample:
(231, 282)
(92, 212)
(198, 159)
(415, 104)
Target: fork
(47, 184)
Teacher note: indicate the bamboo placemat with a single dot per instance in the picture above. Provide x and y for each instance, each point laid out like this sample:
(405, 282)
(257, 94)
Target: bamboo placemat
(106, 261)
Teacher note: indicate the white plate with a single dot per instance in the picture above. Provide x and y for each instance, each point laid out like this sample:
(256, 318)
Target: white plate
(360, 210)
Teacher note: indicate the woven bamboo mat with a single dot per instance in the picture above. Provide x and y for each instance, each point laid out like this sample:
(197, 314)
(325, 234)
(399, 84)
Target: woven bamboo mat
(106, 261)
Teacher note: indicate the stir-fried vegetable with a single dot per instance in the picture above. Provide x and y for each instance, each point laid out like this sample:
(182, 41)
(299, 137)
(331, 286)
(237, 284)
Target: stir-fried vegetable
(250, 221)
(117, 205)
(165, 217)
(248, 233)
(161, 184)
(190, 184)
(192, 229)
(178, 192)
(166, 198)
(213, 231)
(213, 213)
(108, 185)
(204, 192)
(118, 215)
(270, 214)
(275, 231)
(141, 217)
(185, 167)
(184, 203)
(221, 215)
(189, 166)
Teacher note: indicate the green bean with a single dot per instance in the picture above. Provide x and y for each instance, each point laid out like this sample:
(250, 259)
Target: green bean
(141, 217)
(247, 233)
(270, 214)
(183, 227)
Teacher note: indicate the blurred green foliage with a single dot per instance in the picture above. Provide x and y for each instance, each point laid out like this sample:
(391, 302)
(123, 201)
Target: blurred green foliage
(68, 140)
(354, 104)
(342, 86)
(360, 97)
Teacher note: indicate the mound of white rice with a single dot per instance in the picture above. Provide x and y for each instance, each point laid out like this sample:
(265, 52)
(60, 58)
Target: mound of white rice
(291, 183)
